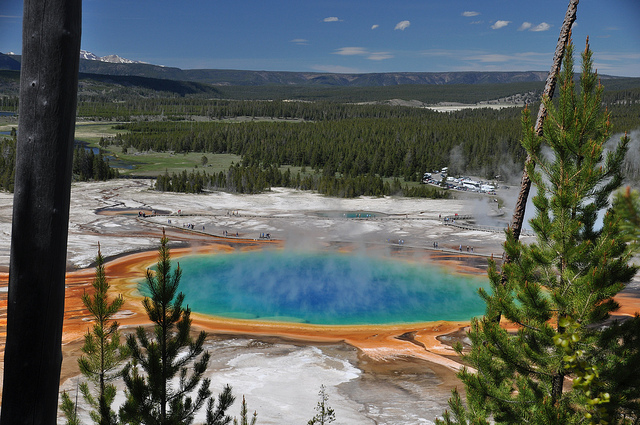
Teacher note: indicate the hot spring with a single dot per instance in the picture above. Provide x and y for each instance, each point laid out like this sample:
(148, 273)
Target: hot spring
(326, 288)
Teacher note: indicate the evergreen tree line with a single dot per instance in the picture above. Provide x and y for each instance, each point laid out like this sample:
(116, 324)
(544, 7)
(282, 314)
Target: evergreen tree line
(180, 108)
(394, 147)
(89, 166)
(8, 161)
(137, 106)
(253, 179)
(86, 164)
(9, 103)
(404, 143)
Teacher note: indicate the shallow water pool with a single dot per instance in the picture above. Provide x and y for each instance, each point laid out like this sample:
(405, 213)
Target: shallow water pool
(326, 288)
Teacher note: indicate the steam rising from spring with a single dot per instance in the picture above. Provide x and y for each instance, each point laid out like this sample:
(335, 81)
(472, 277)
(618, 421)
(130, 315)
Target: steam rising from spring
(631, 165)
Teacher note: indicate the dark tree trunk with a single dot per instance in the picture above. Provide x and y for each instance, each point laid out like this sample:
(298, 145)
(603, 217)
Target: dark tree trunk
(48, 91)
(550, 86)
(525, 183)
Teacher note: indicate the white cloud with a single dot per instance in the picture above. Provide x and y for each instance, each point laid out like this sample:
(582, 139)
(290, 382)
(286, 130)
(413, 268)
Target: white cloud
(440, 53)
(361, 51)
(470, 13)
(351, 51)
(517, 60)
(500, 24)
(379, 56)
(402, 25)
(491, 57)
(484, 60)
(617, 56)
(300, 41)
(374, 26)
(336, 69)
(332, 19)
(626, 65)
(529, 26)
(541, 27)
(525, 26)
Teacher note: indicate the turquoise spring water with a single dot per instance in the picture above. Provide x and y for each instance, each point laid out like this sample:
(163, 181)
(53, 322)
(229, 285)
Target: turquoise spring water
(326, 288)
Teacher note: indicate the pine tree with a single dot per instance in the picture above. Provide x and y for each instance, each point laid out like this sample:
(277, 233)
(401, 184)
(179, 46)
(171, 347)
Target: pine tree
(325, 414)
(170, 353)
(69, 410)
(619, 360)
(244, 415)
(216, 413)
(103, 351)
(627, 205)
(568, 276)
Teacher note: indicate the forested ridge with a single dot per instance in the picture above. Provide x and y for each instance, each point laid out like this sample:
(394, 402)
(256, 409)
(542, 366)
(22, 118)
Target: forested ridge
(370, 147)
(121, 88)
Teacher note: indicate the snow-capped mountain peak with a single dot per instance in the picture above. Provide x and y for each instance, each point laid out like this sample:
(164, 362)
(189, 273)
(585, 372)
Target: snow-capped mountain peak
(109, 58)
(116, 59)
(88, 56)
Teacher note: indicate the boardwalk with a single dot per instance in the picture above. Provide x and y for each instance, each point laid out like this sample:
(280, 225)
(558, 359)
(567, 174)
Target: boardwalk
(182, 222)
(465, 222)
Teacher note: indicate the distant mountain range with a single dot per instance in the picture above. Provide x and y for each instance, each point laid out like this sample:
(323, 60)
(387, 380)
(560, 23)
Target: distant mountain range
(8, 62)
(109, 58)
(239, 77)
(117, 66)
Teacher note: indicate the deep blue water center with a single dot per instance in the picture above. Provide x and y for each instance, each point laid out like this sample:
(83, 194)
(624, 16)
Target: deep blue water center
(326, 288)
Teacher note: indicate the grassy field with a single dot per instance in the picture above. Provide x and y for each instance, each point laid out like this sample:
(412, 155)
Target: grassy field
(156, 163)
(92, 132)
(6, 123)
(150, 163)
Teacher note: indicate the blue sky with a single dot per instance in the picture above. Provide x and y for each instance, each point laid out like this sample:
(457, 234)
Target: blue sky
(350, 35)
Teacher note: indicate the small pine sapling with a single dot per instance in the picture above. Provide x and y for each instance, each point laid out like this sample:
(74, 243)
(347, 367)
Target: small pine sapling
(164, 379)
(325, 414)
(103, 352)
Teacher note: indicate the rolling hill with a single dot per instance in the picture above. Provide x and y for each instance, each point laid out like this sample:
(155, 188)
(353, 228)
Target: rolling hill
(122, 78)
(224, 77)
